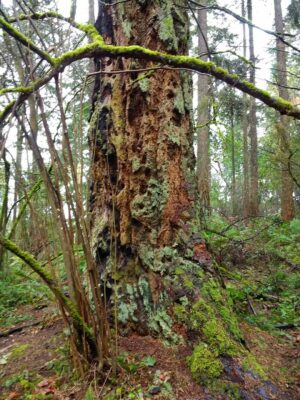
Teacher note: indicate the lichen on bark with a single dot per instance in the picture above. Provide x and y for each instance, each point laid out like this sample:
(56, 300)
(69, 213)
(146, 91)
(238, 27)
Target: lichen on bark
(155, 265)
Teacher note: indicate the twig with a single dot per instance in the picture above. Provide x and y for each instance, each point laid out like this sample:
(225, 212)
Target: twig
(251, 306)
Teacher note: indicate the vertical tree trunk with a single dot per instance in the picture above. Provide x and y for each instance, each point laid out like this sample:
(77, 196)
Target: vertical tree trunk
(18, 171)
(203, 158)
(91, 11)
(253, 201)
(73, 9)
(233, 166)
(4, 206)
(154, 266)
(245, 131)
(141, 140)
(286, 195)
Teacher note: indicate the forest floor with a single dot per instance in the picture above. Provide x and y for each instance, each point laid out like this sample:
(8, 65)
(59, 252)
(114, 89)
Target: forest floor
(35, 361)
(34, 364)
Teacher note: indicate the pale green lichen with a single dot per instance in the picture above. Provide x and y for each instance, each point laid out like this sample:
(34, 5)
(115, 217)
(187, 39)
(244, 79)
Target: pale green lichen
(147, 207)
(179, 102)
(166, 30)
(136, 164)
(127, 26)
(144, 84)
(18, 89)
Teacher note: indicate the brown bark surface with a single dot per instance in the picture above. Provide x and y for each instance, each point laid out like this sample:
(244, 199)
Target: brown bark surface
(142, 157)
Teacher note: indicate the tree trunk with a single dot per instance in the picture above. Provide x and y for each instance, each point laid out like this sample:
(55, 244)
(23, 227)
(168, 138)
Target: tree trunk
(253, 201)
(4, 206)
(286, 195)
(18, 172)
(155, 270)
(203, 158)
(245, 131)
(141, 137)
(233, 166)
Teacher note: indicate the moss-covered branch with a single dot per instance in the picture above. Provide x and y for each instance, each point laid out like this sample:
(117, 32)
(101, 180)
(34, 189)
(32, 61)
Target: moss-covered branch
(30, 260)
(20, 37)
(17, 89)
(99, 49)
(52, 14)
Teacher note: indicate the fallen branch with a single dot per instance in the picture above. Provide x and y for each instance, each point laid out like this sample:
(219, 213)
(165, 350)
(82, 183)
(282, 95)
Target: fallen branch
(19, 328)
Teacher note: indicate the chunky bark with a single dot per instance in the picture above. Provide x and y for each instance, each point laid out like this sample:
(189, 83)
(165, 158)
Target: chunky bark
(155, 270)
(142, 160)
(287, 186)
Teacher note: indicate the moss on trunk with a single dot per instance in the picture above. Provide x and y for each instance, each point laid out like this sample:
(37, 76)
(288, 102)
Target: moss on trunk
(156, 271)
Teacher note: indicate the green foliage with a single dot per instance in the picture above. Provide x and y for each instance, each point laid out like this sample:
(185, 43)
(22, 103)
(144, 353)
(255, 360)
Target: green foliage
(277, 244)
(18, 288)
(205, 364)
(89, 394)
(149, 361)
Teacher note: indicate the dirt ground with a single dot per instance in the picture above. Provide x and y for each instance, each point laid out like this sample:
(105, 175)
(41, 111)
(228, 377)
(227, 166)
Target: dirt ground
(33, 364)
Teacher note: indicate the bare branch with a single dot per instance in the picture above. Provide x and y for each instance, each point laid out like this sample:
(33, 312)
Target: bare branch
(238, 17)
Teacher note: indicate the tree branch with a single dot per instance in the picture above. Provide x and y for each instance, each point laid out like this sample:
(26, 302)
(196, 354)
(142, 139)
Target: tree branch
(99, 49)
(246, 21)
(8, 28)
(28, 258)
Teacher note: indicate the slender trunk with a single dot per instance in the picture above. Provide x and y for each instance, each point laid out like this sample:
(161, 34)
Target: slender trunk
(253, 201)
(73, 9)
(245, 124)
(233, 166)
(91, 11)
(18, 172)
(4, 207)
(203, 158)
(286, 195)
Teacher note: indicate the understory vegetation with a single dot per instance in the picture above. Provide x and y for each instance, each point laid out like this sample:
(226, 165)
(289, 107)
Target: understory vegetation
(257, 262)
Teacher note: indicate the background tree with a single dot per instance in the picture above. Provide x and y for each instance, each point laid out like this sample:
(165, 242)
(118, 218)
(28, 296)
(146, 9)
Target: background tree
(203, 119)
(253, 199)
(287, 202)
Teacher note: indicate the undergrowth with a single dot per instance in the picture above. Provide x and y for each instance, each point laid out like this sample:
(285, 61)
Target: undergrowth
(18, 287)
(259, 262)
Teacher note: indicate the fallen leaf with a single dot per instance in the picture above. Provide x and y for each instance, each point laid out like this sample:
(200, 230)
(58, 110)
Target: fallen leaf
(44, 383)
(12, 396)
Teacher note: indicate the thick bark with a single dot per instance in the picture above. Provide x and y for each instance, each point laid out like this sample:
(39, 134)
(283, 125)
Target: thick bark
(286, 194)
(154, 267)
(203, 158)
(142, 159)
(253, 200)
